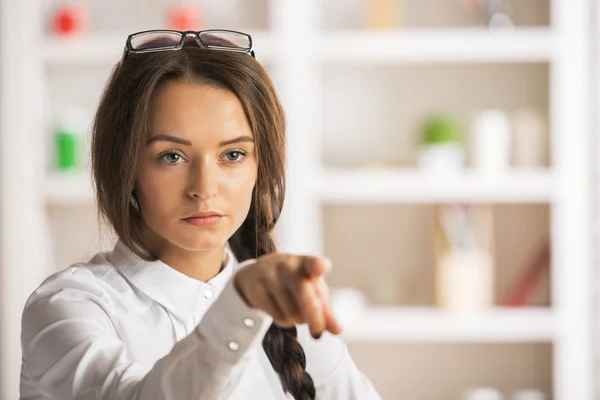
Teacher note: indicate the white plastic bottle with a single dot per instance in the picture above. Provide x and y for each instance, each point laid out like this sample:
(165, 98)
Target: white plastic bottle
(483, 393)
(491, 139)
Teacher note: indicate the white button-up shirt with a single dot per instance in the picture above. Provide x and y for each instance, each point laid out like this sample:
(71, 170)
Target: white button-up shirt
(119, 327)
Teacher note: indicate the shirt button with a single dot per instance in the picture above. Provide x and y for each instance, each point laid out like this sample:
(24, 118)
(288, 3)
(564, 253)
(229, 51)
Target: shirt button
(233, 346)
(208, 294)
(249, 322)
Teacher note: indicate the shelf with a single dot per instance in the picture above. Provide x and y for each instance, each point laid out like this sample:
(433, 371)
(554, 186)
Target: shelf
(394, 324)
(412, 186)
(451, 45)
(69, 189)
(107, 48)
(374, 186)
(89, 49)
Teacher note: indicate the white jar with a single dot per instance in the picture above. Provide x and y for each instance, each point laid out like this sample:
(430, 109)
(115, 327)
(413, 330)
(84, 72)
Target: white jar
(442, 158)
(483, 394)
(491, 140)
(465, 280)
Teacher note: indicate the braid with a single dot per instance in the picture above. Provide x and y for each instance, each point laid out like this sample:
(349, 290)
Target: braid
(281, 344)
(288, 360)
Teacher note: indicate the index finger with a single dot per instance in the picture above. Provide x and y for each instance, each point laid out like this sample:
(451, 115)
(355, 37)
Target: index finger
(315, 267)
(331, 322)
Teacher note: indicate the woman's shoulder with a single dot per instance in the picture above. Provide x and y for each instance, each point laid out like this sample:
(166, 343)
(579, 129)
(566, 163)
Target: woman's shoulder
(96, 280)
(79, 276)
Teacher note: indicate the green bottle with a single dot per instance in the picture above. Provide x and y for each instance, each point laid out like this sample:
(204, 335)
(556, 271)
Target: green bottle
(69, 135)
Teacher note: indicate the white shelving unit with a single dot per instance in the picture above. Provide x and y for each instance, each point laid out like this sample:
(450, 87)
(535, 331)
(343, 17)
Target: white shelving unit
(68, 189)
(566, 186)
(464, 45)
(426, 325)
(406, 186)
(372, 186)
(297, 47)
(96, 49)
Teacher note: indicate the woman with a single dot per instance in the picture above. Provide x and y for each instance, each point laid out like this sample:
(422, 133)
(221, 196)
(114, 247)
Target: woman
(188, 164)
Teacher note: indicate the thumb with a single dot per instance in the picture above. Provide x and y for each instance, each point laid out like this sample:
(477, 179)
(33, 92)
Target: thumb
(315, 267)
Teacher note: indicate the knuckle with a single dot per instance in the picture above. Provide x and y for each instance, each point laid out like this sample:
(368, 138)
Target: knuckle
(303, 293)
(258, 292)
(312, 260)
(323, 288)
(314, 304)
(279, 266)
(309, 301)
(268, 276)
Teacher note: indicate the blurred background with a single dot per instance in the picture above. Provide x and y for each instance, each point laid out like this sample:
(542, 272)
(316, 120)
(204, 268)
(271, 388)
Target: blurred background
(441, 153)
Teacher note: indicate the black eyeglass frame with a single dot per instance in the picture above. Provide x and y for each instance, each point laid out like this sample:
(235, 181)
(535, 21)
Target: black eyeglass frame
(197, 35)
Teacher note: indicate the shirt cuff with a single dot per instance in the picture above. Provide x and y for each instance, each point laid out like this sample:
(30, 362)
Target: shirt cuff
(231, 327)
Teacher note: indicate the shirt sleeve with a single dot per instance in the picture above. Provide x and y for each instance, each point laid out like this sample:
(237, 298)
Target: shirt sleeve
(72, 351)
(334, 372)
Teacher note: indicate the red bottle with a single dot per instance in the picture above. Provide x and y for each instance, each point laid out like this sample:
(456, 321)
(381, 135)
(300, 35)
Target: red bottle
(185, 17)
(69, 20)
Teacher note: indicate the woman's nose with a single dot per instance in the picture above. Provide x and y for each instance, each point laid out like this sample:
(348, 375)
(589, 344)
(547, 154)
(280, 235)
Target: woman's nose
(203, 181)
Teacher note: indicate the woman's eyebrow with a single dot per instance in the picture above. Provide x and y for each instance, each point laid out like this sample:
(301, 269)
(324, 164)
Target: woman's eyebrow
(174, 139)
(237, 140)
(168, 138)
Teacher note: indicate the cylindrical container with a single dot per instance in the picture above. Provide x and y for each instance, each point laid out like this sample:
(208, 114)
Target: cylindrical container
(70, 19)
(530, 139)
(69, 136)
(528, 394)
(483, 394)
(442, 158)
(491, 140)
(185, 16)
(465, 280)
(382, 14)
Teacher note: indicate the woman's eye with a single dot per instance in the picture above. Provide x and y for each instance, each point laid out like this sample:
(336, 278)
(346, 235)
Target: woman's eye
(235, 156)
(172, 158)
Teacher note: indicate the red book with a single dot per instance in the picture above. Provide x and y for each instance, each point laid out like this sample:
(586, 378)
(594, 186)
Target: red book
(525, 287)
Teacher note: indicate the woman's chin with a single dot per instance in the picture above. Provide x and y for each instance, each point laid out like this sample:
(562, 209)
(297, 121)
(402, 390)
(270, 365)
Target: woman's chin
(204, 243)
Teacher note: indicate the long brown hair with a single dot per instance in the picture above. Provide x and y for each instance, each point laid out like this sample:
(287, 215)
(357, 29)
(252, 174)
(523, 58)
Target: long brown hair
(122, 121)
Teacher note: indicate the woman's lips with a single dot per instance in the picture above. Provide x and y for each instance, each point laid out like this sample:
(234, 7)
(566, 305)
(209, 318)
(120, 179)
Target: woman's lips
(204, 221)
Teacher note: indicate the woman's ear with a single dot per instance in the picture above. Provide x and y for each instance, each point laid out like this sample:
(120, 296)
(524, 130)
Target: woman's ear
(134, 201)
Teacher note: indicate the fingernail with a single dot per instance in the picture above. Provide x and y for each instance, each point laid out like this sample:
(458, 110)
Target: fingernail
(328, 263)
(316, 335)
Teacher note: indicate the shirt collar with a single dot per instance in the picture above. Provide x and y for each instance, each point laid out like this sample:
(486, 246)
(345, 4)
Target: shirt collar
(180, 294)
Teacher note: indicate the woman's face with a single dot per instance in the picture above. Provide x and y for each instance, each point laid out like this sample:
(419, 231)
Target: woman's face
(199, 157)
